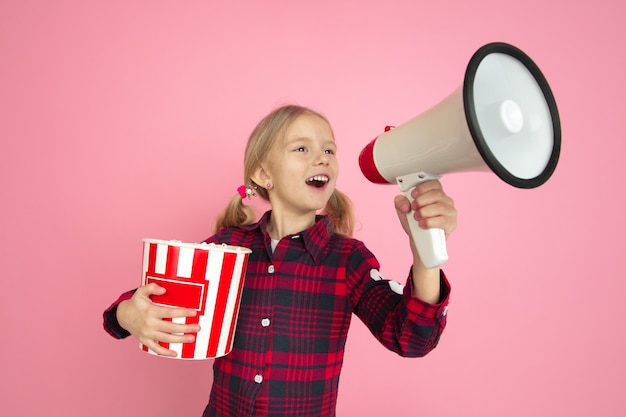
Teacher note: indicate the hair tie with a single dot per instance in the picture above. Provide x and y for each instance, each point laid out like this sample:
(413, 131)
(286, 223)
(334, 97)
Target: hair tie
(246, 191)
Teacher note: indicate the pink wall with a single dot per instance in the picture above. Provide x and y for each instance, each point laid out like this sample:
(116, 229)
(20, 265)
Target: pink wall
(121, 120)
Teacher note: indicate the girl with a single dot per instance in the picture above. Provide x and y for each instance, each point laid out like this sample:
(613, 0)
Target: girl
(305, 278)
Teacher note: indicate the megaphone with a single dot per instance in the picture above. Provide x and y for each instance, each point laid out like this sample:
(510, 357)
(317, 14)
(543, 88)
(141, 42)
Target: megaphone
(503, 118)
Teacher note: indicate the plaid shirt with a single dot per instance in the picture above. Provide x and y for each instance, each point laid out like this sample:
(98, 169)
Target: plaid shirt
(295, 313)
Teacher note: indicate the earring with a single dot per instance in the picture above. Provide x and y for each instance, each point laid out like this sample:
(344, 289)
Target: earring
(269, 185)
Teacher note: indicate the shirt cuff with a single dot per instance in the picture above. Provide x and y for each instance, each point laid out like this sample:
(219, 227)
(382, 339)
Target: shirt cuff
(420, 310)
(110, 323)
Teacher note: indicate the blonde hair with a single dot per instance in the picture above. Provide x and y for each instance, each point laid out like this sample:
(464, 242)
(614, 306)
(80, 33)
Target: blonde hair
(262, 139)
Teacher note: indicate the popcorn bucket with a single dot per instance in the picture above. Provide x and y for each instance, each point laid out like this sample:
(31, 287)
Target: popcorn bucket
(206, 277)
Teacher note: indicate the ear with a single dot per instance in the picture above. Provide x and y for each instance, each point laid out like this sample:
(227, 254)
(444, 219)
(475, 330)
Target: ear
(261, 176)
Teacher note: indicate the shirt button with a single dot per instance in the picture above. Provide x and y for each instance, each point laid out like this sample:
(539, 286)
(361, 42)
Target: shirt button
(295, 237)
(271, 269)
(265, 322)
(445, 311)
(258, 378)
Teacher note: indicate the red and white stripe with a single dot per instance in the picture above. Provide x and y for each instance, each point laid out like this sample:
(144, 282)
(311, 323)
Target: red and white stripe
(208, 278)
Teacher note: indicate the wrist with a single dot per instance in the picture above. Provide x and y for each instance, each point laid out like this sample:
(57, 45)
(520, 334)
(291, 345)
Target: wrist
(120, 311)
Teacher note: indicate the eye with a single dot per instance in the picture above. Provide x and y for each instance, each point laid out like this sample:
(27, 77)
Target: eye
(300, 149)
(329, 151)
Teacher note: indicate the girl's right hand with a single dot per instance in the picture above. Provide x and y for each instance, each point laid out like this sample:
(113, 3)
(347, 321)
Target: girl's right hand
(144, 320)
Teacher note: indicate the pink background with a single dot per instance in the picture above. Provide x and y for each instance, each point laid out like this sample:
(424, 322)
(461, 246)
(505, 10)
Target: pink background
(124, 119)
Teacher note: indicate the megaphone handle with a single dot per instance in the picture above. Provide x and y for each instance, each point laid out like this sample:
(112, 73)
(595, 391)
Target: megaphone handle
(430, 243)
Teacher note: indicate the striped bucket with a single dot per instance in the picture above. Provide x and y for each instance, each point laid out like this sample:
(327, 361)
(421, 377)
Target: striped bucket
(206, 277)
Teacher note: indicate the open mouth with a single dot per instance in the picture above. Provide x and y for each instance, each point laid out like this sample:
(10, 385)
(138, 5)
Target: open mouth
(317, 181)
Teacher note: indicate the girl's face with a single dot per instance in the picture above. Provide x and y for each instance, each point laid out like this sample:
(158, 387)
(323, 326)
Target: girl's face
(302, 167)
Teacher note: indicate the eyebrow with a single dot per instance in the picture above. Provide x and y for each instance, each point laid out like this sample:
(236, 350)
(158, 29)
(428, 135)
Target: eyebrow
(308, 139)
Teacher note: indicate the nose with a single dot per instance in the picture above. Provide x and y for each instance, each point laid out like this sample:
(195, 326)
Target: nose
(322, 158)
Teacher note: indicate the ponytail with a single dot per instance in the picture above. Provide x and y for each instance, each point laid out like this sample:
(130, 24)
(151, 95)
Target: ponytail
(340, 211)
(236, 213)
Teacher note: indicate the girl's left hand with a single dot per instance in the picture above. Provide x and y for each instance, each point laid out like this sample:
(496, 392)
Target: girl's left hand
(432, 207)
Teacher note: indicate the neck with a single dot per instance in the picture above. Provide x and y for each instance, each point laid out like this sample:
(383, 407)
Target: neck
(280, 225)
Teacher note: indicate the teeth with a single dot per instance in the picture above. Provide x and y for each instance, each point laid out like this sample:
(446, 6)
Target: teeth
(320, 178)
(318, 181)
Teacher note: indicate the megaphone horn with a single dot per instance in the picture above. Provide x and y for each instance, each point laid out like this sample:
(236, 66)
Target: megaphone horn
(502, 118)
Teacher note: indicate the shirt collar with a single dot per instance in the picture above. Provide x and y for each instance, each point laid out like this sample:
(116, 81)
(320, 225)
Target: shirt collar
(314, 238)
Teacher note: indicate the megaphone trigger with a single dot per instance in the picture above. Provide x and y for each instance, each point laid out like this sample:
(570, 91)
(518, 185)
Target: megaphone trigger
(430, 243)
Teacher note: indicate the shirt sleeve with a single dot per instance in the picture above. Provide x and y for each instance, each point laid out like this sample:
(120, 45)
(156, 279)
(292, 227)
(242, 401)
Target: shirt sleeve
(110, 323)
(402, 322)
